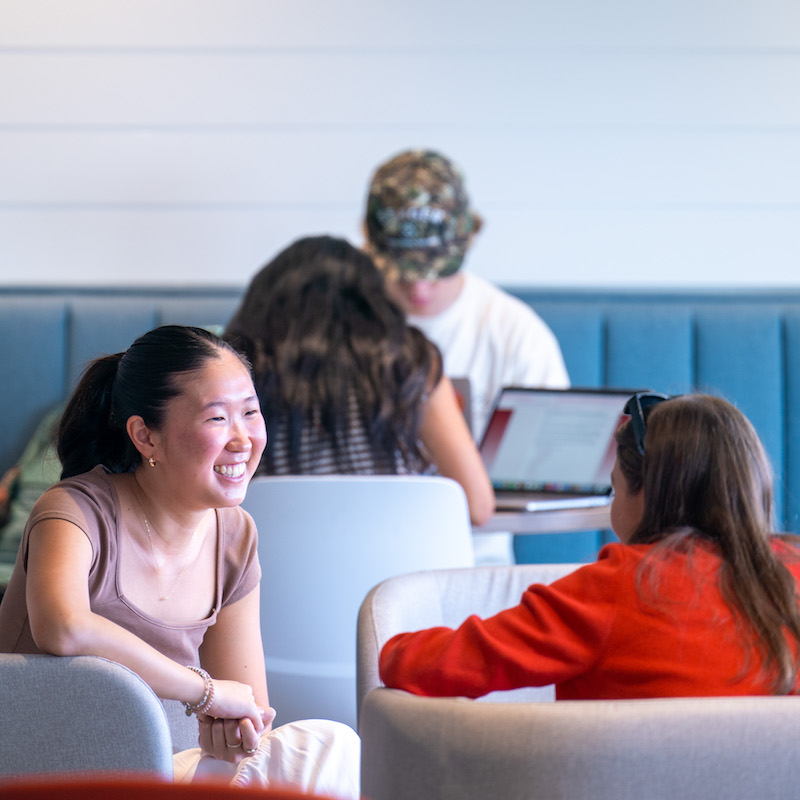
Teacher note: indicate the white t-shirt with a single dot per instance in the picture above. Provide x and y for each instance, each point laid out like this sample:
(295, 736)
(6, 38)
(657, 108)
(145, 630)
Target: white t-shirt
(494, 340)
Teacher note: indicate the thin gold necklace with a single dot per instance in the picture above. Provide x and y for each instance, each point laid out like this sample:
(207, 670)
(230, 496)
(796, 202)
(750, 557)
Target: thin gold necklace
(163, 597)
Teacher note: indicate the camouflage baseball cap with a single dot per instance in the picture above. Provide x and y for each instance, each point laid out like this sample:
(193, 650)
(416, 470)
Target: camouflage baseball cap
(418, 217)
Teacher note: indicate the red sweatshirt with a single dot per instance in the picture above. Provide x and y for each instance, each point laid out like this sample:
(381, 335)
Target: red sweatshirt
(600, 632)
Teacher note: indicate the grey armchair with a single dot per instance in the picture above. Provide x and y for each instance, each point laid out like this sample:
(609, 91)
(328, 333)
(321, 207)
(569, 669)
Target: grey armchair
(79, 715)
(527, 747)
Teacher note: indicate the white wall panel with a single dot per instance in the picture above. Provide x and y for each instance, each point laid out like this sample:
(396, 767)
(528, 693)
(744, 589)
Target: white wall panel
(151, 247)
(416, 23)
(273, 168)
(523, 246)
(397, 89)
(627, 247)
(186, 141)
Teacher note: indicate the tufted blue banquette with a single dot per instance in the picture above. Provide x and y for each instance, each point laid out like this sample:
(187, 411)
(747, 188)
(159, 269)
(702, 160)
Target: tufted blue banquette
(743, 346)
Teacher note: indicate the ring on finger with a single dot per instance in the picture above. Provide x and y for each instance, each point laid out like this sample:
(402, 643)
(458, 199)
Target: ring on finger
(233, 746)
(249, 752)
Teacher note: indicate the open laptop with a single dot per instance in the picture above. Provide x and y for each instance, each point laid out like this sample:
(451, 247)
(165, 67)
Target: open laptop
(552, 448)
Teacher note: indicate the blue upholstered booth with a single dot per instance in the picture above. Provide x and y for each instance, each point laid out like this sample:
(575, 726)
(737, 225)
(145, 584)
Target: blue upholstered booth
(744, 346)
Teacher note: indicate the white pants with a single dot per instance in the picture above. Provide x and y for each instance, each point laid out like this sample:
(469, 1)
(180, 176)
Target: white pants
(316, 755)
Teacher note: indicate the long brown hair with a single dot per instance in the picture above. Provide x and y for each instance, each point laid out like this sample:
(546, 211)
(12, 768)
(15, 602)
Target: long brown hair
(705, 474)
(323, 336)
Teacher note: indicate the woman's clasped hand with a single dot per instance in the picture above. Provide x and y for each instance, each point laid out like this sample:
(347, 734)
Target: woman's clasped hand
(232, 739)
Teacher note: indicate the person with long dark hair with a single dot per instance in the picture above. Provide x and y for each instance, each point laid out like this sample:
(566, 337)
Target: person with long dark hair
(346, 386)
(698, 598)
(142, 555)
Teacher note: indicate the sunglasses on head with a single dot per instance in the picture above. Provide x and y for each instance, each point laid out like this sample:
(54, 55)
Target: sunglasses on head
(636, 408)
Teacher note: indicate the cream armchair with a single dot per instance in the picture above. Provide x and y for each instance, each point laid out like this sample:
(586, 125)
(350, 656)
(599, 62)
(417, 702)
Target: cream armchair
(443, 597)
(523, 745)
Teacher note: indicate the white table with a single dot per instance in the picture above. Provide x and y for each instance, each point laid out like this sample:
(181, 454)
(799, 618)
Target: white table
(562, 521)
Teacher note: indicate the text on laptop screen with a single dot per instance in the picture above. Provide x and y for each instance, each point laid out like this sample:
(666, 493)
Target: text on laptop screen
(552, 441)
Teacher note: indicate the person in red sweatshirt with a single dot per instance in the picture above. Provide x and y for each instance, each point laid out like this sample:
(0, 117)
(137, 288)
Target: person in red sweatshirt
(698, 598)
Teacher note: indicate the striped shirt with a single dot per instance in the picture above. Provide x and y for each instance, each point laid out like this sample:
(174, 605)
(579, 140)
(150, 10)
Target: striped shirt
(317, 453)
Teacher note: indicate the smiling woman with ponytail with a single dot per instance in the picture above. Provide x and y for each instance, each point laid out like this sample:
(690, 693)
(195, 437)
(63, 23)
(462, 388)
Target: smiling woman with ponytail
(142, 555)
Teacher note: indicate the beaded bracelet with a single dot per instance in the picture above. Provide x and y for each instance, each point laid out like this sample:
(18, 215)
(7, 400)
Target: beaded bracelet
(208, 696)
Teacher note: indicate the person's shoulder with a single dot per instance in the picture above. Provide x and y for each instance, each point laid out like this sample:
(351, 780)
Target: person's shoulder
(618, 553)
(609, 578)
(239, 527)
(79, 499)
(615, 559)
(240, 565)
(498, 302)
(235, 515)
(479, 286)
(486, 288)
(95, 484)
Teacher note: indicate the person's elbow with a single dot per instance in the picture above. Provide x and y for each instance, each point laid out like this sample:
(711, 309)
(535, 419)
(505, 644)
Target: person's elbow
(59, 634)
(481, 506)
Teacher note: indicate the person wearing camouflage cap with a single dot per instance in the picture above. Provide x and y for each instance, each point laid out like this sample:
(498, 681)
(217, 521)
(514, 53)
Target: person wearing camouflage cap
(419, 226)
(418, 217)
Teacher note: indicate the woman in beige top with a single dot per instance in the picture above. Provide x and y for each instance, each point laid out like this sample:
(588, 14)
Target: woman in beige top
(141, 553)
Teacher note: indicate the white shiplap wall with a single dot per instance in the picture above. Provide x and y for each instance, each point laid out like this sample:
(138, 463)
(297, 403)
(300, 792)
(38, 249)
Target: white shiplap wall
(607, 144)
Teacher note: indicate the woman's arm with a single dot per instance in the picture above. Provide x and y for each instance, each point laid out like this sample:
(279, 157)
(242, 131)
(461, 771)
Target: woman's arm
(557, 633)
(232, 649)
(62, 623)
(447, 439)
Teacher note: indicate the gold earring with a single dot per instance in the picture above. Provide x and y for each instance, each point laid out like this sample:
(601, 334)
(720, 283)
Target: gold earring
(151, 461)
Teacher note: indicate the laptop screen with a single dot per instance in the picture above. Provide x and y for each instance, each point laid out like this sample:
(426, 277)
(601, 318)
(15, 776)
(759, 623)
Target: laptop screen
(553, 440)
